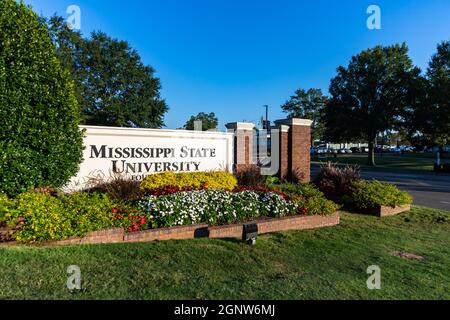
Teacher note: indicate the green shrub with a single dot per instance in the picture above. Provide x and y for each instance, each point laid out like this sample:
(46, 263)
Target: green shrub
(46, 217)
(9, 222)
(6, 209)
(190, 181)
(271, 180)
(308, 197)
(89, 212)
(40, 141)
(369, 194)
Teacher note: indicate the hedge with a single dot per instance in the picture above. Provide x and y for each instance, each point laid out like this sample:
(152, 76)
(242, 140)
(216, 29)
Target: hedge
(370, 194)
(40, 141)
(45, 217)
(308, 197)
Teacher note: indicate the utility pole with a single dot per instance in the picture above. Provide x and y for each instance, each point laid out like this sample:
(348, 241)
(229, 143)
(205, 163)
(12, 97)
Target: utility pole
(266, 124)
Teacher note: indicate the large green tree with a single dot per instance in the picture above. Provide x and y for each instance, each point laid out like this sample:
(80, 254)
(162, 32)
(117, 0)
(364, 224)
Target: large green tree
(436, 115)
(40, 141)
(113, 86)
(209, 121)
(308, 105)
(370, 95)
(427, 121)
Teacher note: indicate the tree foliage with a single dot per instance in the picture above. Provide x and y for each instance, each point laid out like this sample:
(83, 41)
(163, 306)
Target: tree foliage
(113, 86)
(308, 105)
(209, 121)
(436, 114)
(40, 141)
(427, 119)
(371, 95)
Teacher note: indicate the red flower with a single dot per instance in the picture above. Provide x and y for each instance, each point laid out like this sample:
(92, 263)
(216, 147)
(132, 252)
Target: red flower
(115, 210)
(303, 211)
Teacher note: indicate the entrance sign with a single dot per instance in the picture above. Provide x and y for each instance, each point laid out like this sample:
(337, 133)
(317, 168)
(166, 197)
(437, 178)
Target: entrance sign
(136, 153)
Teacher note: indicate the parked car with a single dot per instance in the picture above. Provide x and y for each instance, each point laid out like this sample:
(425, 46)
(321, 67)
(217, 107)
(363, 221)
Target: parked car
(407, 148)
(431, 149)
(445, 149)
(333, 151)
(359, 149)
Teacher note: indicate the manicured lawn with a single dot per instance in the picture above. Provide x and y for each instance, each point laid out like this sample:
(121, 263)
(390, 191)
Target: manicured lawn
(317, 264)
(422, 162)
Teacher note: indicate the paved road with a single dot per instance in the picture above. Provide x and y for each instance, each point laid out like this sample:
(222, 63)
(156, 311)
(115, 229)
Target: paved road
(428, 189)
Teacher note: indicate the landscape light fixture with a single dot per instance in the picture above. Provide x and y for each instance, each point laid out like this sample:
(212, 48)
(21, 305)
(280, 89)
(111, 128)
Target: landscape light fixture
(250, 233)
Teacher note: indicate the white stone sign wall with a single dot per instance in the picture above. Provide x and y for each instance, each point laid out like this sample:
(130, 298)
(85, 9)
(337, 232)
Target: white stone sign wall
(136, 153)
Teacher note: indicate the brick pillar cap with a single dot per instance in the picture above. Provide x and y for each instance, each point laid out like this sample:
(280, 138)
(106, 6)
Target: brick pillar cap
(294, 122)
(281, 127)
(240, 126)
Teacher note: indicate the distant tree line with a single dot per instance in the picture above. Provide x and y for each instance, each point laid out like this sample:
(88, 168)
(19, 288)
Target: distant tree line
(381, 91)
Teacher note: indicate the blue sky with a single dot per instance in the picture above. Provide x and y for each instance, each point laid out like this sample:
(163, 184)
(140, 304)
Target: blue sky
(232, 57)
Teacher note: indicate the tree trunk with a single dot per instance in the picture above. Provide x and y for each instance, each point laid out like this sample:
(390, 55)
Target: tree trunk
(371, 159)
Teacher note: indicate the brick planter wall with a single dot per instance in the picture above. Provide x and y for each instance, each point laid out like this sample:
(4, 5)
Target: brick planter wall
(382, 211)
(114, 235)
(298, 223)
(277, 225)
(118, 235)
(226, 231)
(175, 233)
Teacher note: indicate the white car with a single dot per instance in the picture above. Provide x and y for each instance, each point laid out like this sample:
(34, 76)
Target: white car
(407, 148)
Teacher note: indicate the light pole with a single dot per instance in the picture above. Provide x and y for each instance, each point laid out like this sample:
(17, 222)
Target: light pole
(266, 124)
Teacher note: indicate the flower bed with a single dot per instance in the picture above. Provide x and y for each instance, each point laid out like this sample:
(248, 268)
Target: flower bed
(213, 207)
(190, 181)
(41, 215)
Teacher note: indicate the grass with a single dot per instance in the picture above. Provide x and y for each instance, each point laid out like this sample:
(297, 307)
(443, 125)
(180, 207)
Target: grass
(405, 162)
(328, 263)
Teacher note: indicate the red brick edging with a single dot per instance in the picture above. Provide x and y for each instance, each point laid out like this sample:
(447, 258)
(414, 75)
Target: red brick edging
(118, 235)
(382, 211)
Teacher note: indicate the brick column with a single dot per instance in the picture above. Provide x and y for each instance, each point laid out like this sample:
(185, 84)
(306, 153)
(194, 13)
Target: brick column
(243, 144)
(299, 154)
(283, 172)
